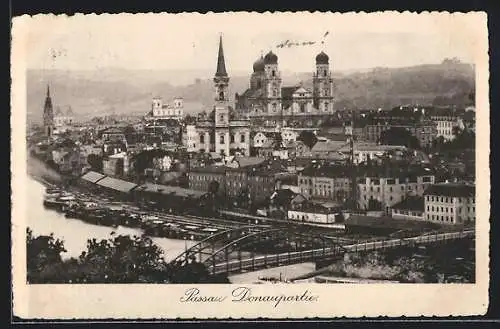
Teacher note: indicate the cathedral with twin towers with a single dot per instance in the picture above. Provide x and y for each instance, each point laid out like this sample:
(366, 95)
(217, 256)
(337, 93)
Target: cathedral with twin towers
(271, 103)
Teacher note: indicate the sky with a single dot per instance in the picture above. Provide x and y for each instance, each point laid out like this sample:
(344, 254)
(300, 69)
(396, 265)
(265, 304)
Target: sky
(190, 41)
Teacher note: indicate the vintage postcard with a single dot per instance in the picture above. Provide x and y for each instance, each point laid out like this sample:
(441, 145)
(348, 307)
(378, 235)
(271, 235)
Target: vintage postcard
(244, 165)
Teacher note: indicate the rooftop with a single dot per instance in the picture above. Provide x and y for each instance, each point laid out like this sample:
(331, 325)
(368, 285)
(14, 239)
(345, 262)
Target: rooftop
(116, 184)
(169, 190)
(210, 169)
(452, 190)
(413, 203)
(92, 176)
(248, 161)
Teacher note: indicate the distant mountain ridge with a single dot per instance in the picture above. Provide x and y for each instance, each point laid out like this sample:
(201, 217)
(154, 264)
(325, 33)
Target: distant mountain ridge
(124, 91)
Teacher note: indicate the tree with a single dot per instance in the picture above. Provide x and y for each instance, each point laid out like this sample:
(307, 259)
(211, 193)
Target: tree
(213, 187)
(123, 259)
(95, 162)
(308, 138)
(189, 120)
(119, 259)
(399, 136)
(42, 253)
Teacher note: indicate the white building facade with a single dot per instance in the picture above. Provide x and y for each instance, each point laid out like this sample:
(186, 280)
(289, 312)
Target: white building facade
(450, 204)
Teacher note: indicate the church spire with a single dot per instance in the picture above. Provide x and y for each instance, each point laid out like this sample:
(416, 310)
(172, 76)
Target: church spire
(221, 64)
(48, 91)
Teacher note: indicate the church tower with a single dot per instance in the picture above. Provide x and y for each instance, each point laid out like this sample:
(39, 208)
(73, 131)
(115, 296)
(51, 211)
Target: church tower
(272, 90)
(48, 115)
(323, 84)
(221, 85)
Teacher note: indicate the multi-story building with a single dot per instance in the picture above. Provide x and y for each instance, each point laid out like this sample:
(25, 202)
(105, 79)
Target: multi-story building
(388, 185)
(63, 118)
(450, 203)
(159, 110)
(425, 131)
(410, 208)
(325, 182)
(201, 178)
(223, 135)
(363, 152)
(116, 165)
(446, 120)
(269, 101)
(257, 182)
(190, 138)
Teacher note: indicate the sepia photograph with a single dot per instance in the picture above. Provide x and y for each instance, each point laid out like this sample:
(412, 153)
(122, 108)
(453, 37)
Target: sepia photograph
(284, 150)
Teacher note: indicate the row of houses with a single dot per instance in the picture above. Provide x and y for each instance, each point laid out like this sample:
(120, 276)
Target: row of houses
(440, 204)
(254, 181)
(376, 186)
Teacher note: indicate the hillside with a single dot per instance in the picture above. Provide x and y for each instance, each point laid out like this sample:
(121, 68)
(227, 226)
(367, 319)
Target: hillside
(124, 91)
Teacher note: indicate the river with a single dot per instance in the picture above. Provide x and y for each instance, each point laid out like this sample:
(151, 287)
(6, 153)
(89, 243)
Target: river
(75, 233)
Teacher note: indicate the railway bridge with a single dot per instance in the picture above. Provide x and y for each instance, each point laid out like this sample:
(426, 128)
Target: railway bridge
(255, 247)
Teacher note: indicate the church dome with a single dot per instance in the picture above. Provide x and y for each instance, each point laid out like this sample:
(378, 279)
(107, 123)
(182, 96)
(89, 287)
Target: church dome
(322, 58)
(258, 66)
(271, 58)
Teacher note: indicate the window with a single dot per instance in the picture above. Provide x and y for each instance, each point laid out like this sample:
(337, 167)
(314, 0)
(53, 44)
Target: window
(221, 139)
(242, 138)
(427, 208)
(273, 73)
(326, 105)
(324, 73)
(275, 106)
(302, 108)
(232, 138)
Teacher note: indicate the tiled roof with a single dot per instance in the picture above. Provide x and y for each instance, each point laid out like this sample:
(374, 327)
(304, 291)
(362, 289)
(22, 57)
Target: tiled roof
(326, 171)
(287, 92)
(317, 208)
(169, 190)
(451, 190)
(411, 203)
(328, 146)
(253, 93)
(210, 169)
(92, 176)
(116, 184)
(248, 161)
